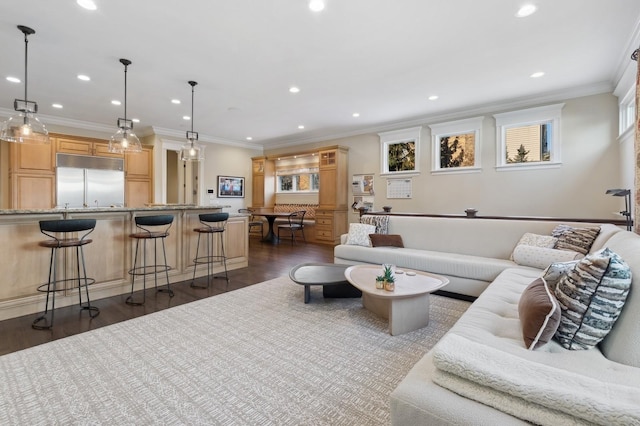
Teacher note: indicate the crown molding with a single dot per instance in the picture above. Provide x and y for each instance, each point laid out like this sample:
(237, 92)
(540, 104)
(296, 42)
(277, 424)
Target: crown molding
(625, 55)
(179, 135)
(493, 107)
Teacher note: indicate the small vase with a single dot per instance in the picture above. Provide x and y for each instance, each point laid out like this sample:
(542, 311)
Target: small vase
(379, 285)
(389, 285)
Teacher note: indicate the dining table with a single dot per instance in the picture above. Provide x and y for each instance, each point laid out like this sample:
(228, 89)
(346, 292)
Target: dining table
(271, 216)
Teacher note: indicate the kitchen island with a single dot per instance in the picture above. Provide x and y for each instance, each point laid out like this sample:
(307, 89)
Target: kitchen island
(24, 265)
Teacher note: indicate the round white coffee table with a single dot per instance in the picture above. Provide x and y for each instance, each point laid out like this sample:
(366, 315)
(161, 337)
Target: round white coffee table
(407, 307)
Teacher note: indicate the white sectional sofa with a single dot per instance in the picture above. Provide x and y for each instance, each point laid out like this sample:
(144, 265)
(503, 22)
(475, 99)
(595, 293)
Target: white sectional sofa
(481, 373)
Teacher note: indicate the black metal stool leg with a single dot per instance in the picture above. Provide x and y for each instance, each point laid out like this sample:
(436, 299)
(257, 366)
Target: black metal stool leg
(224, 260)
(166, 271)
(51, 282)
(195, 266)
(129, 300)
(93, 310)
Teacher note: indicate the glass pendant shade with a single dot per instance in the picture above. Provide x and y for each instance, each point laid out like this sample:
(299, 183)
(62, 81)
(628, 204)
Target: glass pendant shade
(24, 126)
(191, 151)
(124, 140)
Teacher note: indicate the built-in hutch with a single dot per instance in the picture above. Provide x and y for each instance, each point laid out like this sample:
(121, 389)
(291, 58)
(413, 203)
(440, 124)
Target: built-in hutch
(331, 217)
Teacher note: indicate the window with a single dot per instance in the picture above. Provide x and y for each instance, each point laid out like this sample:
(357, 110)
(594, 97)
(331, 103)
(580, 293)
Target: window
(528, 139)
(298, 180)
(456, 146)
(627, 111)
(400, 152)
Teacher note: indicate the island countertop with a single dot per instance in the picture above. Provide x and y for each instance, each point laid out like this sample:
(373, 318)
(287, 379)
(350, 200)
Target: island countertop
(154, 207)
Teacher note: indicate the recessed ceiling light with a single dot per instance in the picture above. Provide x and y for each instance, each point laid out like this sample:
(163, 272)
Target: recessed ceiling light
(186, 117)
(59, 106)
(13, 79)
(87, 4)
(433, 97)
(355, 114)
(175, 101)
(84, 77)
(537, 74)
(116, 102)
(294, 89)
(249, 138)
(135, 120)
(526, 10)
(316, 5)
(301, 127)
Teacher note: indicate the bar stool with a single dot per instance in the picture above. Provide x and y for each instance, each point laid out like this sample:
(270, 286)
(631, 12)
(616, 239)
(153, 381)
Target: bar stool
(50, 228)
(150, 228)
(213, 224)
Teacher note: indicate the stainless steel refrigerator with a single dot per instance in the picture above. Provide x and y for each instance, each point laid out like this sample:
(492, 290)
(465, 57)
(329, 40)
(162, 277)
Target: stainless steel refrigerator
(83, 181)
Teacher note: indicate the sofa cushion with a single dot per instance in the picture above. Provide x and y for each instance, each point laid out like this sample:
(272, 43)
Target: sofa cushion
(575, 239)
(591, 297)
(386, 240)
(539, 314)
(359, 234)
(622, 344)
(450, 264)
(541, 257)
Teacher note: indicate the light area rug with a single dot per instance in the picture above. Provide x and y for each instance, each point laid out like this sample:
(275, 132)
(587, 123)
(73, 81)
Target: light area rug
(254, 356)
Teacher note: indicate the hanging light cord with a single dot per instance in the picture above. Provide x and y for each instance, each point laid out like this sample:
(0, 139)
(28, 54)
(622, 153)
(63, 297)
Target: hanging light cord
(192, 94)
(26, 50)
(125, 91)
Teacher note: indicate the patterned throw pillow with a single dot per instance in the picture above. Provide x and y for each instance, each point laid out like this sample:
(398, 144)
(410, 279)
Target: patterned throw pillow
(591, 297)
(539, 314)
(556, 271)
(535, 240)
(541, 257)
(575, 239)
(359, 234)
(380, 222)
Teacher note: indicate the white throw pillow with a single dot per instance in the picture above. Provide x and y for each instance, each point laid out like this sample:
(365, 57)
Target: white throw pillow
(541, 257)
(359, 234)
(529, 239)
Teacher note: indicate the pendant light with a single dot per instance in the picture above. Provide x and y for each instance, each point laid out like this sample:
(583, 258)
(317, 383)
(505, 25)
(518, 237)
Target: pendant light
(191, 151)
(24, 127)
(124, 140)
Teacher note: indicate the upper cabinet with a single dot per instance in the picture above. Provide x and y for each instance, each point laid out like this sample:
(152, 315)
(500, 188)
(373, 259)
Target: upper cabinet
(138, 177)
(85, 146)
(263, 182)
(31, 177)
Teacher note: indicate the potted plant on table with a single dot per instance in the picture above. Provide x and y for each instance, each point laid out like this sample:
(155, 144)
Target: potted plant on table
(380, 282)
(389, 279)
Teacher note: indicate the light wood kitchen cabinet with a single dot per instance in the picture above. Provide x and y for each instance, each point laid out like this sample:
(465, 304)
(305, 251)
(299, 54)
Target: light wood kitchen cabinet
(331, 216)
(263, 182)
(138, 178)
(85, 146)
(32, 191)
(32, 176)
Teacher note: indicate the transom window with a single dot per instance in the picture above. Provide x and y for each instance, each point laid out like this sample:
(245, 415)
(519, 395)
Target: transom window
(529, 138)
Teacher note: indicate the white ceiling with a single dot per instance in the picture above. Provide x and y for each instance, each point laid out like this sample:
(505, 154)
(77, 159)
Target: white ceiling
(380, 58)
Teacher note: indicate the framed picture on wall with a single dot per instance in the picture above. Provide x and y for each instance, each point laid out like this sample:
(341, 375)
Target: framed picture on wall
(230, 187)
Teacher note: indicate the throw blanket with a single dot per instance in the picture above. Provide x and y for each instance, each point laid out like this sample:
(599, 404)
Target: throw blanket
(532, 391)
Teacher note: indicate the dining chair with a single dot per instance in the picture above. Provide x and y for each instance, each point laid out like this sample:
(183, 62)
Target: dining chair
(253, 222)
(294, 223)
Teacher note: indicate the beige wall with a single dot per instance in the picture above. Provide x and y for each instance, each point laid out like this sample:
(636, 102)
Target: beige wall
(590, 166)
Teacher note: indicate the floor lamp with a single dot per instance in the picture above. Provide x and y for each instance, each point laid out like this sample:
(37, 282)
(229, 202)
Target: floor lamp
(626, 193)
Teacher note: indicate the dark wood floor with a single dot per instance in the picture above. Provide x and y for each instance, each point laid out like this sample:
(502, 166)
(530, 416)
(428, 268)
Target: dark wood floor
(266, 262)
